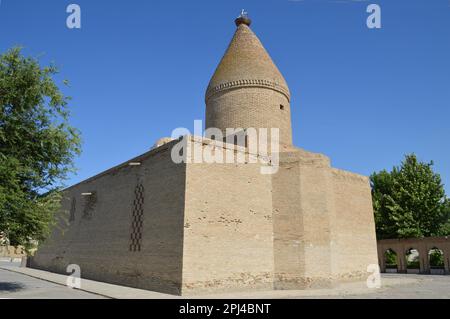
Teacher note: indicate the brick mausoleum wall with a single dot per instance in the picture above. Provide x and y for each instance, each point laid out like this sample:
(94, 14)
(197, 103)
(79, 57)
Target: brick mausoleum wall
(228, 243)
(198, 227)
(324, 231)
(354, 242)
(303, 207)
(98, 231)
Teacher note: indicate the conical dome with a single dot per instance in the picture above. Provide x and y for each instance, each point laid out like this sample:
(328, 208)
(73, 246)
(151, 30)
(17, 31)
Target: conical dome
(247, 91)
(246, 63)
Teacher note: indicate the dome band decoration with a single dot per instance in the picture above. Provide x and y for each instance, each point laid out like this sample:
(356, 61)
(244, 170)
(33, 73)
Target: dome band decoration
(247, 83)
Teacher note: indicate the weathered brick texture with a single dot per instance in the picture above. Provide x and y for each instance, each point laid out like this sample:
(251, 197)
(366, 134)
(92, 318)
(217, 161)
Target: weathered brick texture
(195, 227)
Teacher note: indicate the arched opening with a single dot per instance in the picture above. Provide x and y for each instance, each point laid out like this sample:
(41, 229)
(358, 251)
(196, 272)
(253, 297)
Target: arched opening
(412, 261)
(436, 258)
(390, 260)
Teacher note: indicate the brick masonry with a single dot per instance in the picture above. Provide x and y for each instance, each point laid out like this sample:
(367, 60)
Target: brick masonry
(194, 227)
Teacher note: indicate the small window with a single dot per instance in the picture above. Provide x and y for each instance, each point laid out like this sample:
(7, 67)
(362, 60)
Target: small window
(281, 107)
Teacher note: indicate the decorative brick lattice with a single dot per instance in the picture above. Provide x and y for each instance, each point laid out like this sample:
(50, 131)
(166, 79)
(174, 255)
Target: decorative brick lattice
(73, 208)
(137, 218)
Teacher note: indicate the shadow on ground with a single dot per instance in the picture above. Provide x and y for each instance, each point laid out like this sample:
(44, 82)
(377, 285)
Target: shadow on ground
(11, 286)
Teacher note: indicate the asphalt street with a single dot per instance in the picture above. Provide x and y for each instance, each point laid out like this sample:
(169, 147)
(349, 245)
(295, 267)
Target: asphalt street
(18, 286)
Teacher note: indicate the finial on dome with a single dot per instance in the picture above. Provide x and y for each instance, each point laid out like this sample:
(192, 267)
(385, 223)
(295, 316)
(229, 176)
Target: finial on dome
(243, 19)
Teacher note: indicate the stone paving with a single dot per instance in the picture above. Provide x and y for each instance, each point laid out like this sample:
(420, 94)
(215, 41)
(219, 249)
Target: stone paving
(16, 282)
(18, 286)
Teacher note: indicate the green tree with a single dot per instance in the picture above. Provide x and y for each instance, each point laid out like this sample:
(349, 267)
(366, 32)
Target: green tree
(410, 201)
(37, 147)
(391, 259)
(436, 258)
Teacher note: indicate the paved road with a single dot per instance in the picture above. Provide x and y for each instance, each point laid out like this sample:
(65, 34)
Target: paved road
(395, 287)
(18, 286)
(403, 286)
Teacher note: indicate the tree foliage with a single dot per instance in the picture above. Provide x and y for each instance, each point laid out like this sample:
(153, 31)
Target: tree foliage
(436, 258)
(37, 147)
(410, 201)
(391, 258)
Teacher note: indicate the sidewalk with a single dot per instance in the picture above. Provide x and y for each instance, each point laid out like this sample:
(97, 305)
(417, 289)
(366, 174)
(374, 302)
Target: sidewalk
(393, 286)
(96, 287)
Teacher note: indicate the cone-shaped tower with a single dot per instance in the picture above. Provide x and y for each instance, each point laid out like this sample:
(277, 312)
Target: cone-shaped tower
(247, 89)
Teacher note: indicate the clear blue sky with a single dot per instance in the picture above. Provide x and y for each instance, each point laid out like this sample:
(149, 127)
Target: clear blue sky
(138, 69)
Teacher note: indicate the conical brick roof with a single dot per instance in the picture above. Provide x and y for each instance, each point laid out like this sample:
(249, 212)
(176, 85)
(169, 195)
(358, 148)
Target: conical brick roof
(246, 63)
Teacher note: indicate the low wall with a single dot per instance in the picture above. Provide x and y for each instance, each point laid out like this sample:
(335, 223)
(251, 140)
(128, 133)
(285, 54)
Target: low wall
(12, 252)
(423, 246)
